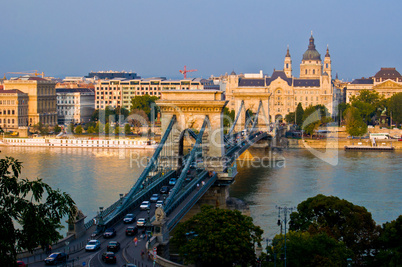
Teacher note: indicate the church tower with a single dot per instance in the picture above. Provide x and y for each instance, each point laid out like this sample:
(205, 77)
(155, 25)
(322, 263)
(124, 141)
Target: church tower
(327, 64)
(311, 66)
(287, 66)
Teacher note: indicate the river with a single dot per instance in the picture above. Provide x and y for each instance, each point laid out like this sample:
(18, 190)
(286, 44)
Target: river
(96, 177)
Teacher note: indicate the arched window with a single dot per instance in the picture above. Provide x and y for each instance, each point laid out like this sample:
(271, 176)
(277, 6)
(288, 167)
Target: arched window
(313, 71)
(306, 72)
(287, 65)
(326, 65)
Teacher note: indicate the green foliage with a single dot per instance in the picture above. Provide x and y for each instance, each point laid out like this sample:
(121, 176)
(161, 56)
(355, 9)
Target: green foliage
(117, 130)
(390, 252)
(341, 110)
(57, 129)
(395, 106)
(355, 125)
(107, 128)
(34, 205)
(367, 102)
(313, 117)
(290, 118)
(127, 129)
(339, 219)
(42, 129)
(78, 129)
(138, 118)
(109, 114)
(304, 249)
(144, 103)
(220, 238)
(228, 117)
(299, 114)
(91, 130)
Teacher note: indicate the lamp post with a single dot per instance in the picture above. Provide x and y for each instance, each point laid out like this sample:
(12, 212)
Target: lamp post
(121, 198)
(285, 213)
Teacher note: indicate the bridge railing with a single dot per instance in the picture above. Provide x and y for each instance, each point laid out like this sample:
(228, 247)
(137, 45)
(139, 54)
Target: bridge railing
(200, 192)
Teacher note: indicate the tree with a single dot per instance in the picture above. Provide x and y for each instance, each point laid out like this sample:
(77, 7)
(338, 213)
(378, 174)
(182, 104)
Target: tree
(70, 128)
(395, 107)
(313, 117)
(290, 118)
(138, 118)
(144, 103)
(339, 219)
(57, 129)
(34, 205)
(78, 129)
(341, 109)
(91, 130)
(219, 238)
(390, 252)
(127, 129)
(355, 125)
(299, 114)
(228, 117)
(367, 102)
(304, 249)
(117, 130)
(107, 128)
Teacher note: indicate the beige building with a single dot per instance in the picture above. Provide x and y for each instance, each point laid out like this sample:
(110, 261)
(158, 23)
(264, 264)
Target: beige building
(13, 109)
(120, 91)
(282, 90)
(387, 82)
(75, 105)
(42, 98)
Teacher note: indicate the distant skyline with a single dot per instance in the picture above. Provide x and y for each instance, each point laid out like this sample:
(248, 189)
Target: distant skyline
(157, 38)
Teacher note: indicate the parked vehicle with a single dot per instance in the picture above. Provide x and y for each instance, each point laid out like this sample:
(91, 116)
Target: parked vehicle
(56, 258)
(145, 205)
(131, 230)
(113, 246)
(110, 232)
(141, 222)
(130, 218)
(109, 257)
(93, 245)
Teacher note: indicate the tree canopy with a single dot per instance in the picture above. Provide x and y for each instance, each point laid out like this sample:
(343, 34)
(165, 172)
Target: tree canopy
(299, 114)
(355, 125)
(339, 219)
(217, 237)
(34, 205)
(395, 107)
(390, 252)
(313, 117)
(144, 103)
(367, 102)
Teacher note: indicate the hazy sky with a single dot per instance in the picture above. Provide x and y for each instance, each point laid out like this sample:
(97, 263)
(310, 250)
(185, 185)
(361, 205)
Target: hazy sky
(157, 38)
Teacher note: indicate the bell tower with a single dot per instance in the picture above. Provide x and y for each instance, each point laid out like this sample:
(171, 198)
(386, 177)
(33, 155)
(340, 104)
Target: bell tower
(287, 66)
(327, 64)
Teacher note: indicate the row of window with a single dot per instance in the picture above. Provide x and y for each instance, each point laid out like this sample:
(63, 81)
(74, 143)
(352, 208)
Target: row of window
(7, 102)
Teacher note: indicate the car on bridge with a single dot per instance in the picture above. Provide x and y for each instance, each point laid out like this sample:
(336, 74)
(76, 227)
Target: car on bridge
(93, 245)
(113, 246)
(109, 257)
(164, 189)
(141, 222)
(131, 230)
(172, 181)
(145, 205)
(109, 233)
(154, 198)
(130, 218)
(159, 203)
(56, 258)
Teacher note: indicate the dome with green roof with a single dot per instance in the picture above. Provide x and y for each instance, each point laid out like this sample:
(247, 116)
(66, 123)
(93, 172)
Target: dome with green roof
(311, 53)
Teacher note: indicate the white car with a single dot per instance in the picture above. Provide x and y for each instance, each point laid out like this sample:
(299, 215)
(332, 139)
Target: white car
(159, 203)
(141, 222)
(145, 205)
(93, 245)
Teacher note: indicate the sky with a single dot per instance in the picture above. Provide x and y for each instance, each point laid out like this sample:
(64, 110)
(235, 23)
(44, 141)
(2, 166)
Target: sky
(157, 38)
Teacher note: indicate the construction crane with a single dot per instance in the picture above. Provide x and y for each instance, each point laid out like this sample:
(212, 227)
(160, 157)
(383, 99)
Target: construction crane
(36, 73)
(184, 72)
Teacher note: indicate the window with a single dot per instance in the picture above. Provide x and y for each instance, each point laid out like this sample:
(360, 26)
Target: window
(313, 71)
(287, 65)
(326, 65)
(306, 72)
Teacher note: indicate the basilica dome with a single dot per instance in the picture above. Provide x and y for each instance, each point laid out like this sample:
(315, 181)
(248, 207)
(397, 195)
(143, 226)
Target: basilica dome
(311, 53)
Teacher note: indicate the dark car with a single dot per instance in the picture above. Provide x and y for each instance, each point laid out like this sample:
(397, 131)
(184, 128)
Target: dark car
(110, 232)
(130, 218)
(109, 257)
(113, 246)
(131, 230)
(164, 190)
(56, 258)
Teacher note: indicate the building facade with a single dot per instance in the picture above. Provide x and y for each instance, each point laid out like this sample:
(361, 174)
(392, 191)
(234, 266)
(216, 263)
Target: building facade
(13, 109)
(75, 105)
(119, 92)
(283, 91)
(42, 98)
(387, 82)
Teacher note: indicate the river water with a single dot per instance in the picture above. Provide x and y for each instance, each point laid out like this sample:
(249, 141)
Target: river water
(96, 177)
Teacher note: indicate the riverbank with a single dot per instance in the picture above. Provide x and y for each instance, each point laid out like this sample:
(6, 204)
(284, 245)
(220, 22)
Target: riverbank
(339, 143)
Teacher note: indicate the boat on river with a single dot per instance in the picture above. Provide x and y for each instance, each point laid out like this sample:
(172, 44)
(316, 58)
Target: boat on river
(80, 142)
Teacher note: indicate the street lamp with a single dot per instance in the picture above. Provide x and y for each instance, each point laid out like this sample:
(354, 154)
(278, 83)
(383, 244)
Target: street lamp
(121, 198)
(285, 213)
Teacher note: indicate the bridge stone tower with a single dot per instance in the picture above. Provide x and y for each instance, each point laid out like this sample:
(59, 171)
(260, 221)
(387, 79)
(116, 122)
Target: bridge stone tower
(190, 108)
